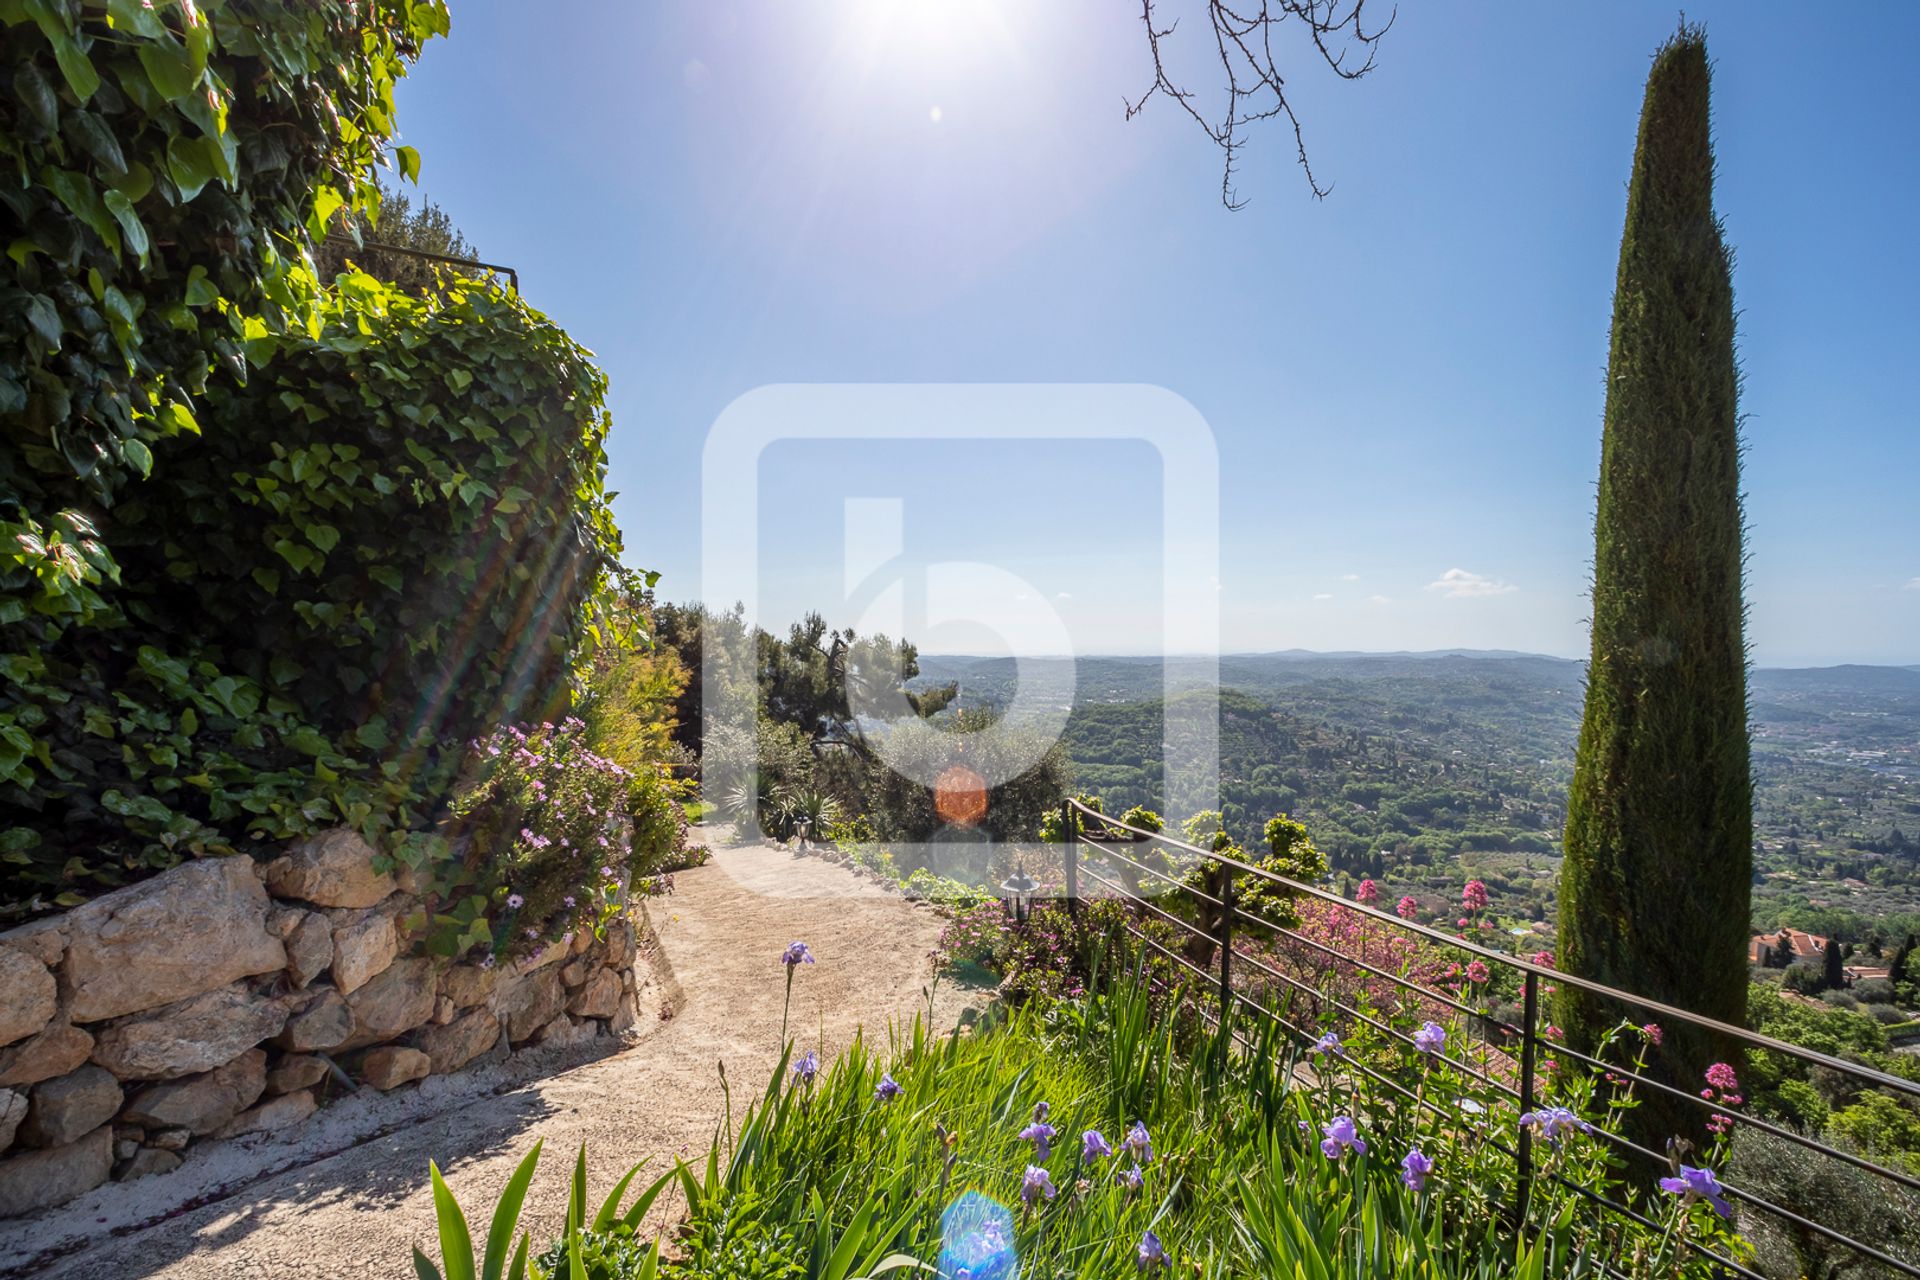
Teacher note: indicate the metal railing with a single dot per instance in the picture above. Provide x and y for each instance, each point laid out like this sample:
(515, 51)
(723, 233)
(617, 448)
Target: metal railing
(1512, 1071)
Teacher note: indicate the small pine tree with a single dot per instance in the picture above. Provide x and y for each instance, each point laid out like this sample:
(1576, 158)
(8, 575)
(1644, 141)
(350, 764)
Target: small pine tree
(1835, 959)
(1655, 889)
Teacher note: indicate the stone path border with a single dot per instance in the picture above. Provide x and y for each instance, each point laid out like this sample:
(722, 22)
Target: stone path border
(350, 1197)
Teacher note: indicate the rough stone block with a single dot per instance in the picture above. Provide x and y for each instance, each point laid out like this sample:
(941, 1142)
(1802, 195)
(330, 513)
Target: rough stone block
(203, 1103)
(146, 1162)
(324, 1024)
(42, 1179)
(294, 1072)
(13, 1109)
(533, 1001)
(459, 1042)
(69, 1107)
(392, 1004)
(193, 928)
(28, 996)
(332, 869)
(364, 944)
(468, 984)
(600, 998)
(391, 1066)
(309, 948)
(54, 1052)
(271, 1116)
(192, 1035)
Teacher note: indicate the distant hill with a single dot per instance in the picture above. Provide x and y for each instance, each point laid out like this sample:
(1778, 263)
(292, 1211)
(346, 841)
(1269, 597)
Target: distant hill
(1416, 766)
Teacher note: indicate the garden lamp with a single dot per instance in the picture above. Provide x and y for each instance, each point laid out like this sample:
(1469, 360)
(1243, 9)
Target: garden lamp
(1016, 894)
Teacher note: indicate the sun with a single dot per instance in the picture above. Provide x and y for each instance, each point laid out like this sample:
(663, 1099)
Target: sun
(917, 38)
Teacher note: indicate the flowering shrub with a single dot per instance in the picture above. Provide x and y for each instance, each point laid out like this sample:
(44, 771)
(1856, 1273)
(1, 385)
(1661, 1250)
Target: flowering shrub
(553, 834)
(1053, 955)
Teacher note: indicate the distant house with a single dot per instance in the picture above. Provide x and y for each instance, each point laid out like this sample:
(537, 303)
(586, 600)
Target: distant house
(1806, 946)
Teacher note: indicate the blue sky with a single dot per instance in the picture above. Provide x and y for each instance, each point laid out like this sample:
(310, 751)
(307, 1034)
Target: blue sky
(1403, 382)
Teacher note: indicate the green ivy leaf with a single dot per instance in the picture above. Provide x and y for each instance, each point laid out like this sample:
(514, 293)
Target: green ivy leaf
(39, 98)
(200, 290)
(187, 166)
(74, 65)
(44, 318)
(169, 67)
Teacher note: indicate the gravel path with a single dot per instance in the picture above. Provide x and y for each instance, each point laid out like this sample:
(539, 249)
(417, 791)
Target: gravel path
(358, 1211)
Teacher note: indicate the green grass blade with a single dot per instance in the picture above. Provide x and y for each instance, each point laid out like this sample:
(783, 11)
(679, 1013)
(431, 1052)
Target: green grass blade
(518, 1271)
(610, 1207)
(577, 1193)
(646, 1199)
(456, 1244)
(423, 1266)
(506, 1216)
(844, 1253)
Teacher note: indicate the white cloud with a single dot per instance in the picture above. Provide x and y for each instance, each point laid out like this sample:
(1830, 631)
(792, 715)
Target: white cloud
(1458, 584)
(1913, 584)
(1379, 599)
(1323, 595)
(1063, 595)
(1349, 577)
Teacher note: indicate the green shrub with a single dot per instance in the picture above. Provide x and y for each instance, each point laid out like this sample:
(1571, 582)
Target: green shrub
(394, 539)
(169, 161)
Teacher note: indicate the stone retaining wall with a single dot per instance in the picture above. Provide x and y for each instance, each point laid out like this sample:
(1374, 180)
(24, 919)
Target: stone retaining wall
(227, 997)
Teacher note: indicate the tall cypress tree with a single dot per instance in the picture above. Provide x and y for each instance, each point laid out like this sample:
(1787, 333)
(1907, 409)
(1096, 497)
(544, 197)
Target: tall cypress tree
(1655, 888)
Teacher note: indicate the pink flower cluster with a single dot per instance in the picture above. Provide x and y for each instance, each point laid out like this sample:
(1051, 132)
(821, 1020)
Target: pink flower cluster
(1723, 1090)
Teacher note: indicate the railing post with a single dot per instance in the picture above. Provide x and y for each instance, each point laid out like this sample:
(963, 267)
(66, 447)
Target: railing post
(1529, 1024)
(1226, 949)
(1069, 828)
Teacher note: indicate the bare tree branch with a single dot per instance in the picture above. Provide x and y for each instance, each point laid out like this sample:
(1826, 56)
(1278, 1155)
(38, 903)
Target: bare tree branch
(1255, 89)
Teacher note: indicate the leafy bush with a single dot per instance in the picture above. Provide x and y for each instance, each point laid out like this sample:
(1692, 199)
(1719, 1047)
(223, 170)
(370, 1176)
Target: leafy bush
(1054, 955)
(171, 159)
(311, 618)
(925, 886)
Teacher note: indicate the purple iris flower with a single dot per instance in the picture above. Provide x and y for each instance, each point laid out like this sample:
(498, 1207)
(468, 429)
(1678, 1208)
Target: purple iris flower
(1431, 1038)
(1093, 1145)
(1152, 1252)
(1129, 1178)
(1036, 1184)
(1553, 1123)
(1699, 1184)
(807, 1067)
(796, 953)
(1040, 1110)
(1041, 1135)
(1342, 1135)
(1329, 1044)
(1139, 1143)
(1415, 1168)
(888, 1089)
